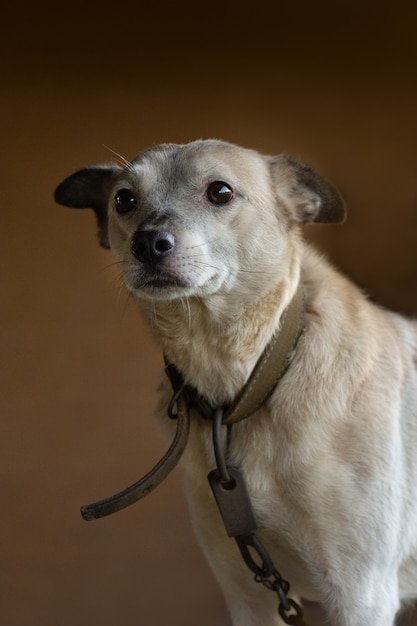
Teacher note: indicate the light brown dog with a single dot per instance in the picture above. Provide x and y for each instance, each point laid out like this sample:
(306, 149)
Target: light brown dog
(207, 237)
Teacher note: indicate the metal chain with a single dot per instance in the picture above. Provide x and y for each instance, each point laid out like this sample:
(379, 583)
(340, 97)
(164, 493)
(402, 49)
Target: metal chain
(267, 575)
(235, 508)
(289, 611)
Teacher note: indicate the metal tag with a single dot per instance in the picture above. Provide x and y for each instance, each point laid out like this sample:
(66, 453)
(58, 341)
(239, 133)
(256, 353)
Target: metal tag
(233, 502)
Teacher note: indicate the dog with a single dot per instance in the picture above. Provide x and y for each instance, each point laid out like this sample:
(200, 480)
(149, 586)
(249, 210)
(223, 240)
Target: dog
(208, 239)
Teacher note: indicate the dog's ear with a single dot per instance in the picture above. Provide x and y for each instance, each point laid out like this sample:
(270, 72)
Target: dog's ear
(89, 188)
(310, 196)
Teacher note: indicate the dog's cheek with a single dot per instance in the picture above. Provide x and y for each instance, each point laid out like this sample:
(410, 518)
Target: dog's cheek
(119, 237)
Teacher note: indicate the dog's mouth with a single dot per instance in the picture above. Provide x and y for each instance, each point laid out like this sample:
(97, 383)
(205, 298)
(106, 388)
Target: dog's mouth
(160, 282)
(155, 283)
(166, 285)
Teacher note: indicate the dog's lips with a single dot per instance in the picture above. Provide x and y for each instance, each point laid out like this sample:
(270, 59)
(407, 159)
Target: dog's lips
(166, 281)
(163, 282)
(157, 282)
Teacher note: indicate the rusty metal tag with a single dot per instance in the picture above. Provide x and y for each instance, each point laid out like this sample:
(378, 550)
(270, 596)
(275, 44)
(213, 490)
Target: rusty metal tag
(233, 502)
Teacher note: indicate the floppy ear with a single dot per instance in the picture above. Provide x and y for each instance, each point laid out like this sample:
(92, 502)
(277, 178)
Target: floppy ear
(89, 188)
(310, 196)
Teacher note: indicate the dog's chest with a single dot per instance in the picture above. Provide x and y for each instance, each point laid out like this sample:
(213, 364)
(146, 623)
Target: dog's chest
(276, 484)
(281, 526)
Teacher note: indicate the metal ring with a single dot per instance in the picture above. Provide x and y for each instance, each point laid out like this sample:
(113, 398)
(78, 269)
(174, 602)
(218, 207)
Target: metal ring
(226, 480)
(173, 402)
(295, 619)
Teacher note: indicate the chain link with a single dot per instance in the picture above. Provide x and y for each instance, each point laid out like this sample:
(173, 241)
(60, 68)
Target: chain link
(268, 576)
(278, 584)
(289, 611)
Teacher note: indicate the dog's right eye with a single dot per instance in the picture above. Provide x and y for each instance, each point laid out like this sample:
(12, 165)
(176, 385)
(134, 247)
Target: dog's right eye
(125, 201)
(219, 192)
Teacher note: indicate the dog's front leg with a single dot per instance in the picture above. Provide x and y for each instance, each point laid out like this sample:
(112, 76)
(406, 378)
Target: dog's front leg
(374, 601)
(349, 597)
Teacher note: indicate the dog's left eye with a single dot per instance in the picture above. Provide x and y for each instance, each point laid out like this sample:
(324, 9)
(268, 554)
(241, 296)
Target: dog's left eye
(219, 192)
(125, 201)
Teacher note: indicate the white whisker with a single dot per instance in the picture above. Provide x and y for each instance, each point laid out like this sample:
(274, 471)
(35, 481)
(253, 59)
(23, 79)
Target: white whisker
(121, 159)
(198, 245)
(185, 303)
(200, 263)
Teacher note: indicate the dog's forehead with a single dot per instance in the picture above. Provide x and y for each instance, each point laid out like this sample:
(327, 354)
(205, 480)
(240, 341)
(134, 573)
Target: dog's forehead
(197, 161)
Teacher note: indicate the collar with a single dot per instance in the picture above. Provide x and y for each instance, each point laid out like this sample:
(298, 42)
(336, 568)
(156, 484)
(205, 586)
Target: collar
(268, 371)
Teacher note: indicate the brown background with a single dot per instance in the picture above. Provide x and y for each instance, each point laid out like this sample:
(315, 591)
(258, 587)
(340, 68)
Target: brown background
(334, 84)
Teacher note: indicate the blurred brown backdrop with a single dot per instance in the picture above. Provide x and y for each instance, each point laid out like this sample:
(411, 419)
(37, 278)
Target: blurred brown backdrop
(333, 83)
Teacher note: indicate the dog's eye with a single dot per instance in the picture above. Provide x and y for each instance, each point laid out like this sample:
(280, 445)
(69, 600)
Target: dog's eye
(125, 201)
(219, 192)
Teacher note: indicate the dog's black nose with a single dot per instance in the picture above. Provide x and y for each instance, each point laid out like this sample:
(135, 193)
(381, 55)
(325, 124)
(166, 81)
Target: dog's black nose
(150, 246)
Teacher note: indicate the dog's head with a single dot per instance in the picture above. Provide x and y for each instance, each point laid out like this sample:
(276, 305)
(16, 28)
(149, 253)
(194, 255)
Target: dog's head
(201, 218)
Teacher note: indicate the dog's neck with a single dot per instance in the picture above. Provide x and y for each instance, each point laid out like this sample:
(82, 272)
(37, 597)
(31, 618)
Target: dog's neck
(215, 345)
